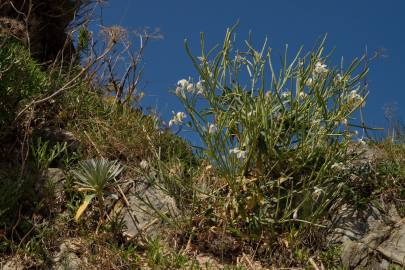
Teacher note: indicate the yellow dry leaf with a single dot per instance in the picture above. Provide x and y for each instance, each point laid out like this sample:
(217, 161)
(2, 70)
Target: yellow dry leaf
(84, 206)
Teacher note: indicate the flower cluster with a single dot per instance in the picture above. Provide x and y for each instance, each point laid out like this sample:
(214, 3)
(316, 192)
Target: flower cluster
(240, 154)
(354, 99)
(319, 70)
(186, 86)
(177, 119)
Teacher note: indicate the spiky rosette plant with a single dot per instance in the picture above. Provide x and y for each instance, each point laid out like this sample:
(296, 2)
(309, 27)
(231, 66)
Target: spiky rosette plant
(95, 177)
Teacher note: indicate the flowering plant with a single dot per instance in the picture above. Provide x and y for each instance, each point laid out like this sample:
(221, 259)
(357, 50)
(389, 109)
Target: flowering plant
(272, 136)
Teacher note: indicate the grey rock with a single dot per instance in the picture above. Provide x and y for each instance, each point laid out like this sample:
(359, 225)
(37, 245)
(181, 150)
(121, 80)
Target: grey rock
(13, 264)
(67, 259)
(394, 247)
(393, 214)
(350, 223)
(353, 253)
(384, 264)
(364, 153)
(147, 205)
(55, 176)
(383, 241)
(370, 239)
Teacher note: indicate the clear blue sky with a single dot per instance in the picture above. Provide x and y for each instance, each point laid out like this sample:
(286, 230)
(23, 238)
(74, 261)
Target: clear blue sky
(351, 27)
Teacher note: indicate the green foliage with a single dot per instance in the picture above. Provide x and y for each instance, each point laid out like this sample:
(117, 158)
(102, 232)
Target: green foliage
(391, 175)
(173, 146)
(96, 177)
(331, 258)
(271, 136)
(21, 78)
(10, 193)
(159, 258)
(43, 154)
(83, 39)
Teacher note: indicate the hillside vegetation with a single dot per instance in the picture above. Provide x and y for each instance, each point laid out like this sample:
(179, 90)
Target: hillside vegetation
(284, 153)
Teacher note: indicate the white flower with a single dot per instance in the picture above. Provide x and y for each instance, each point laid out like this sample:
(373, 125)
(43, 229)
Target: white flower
(177, 119)
(183, 83)
(345, 122)
(240, 154)
(309, 82)
(201, 58)
(355, 99)
(200, 87)
(179, 91)
(361, 141)
(190, 88)
(338, 77)
(354, 95)
(212, 129)
(285, 94)
(180, 116)
(320, 68)
(172, 123)
(295, 213)
(302, 95)
(144, 164)
(317, 192)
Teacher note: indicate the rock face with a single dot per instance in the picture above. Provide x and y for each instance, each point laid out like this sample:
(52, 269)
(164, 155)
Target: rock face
(67, 257)
(370, 239)
(13, 264)
(147, 205)
(350, 223)
(394, 246)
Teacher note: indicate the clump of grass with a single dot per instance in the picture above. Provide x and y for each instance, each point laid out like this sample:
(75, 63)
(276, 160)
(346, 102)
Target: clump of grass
(273, 139)
(391, 175)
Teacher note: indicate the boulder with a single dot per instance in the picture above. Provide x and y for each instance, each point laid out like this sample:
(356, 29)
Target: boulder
(148, 205)
(369, 238)
(14, 263)
(67, 258)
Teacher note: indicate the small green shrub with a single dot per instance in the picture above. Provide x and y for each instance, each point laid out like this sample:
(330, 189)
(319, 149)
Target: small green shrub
(271, 136)
(21, 78)
(43, 154)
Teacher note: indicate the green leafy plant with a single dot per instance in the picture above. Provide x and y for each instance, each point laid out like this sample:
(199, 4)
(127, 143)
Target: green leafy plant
(95, 177)
(21, 78)
(44, 154)
(274, 138)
